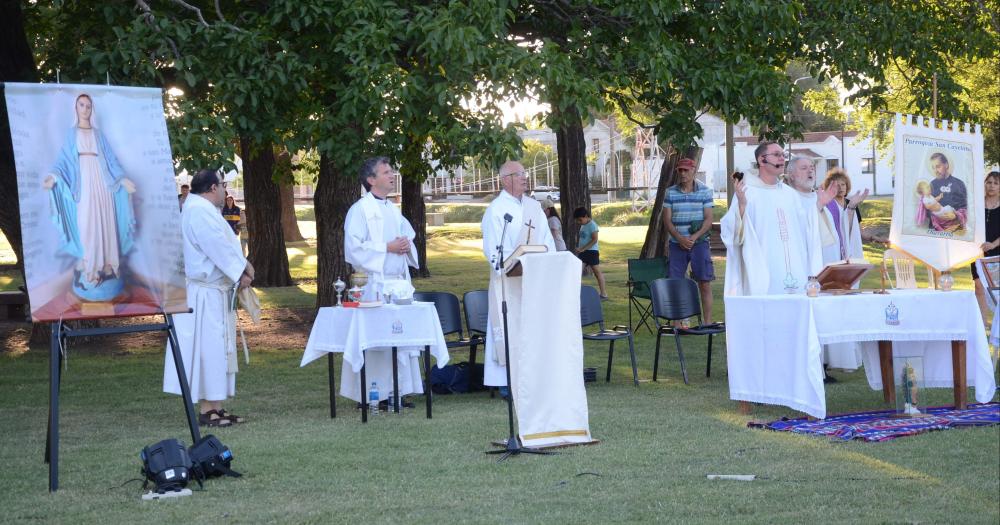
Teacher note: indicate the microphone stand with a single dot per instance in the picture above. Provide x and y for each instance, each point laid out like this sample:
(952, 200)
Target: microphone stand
(513, 447)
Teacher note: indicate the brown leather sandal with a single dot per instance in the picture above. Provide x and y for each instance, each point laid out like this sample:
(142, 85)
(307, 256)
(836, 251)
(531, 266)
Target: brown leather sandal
(236, 420)
(213, 418)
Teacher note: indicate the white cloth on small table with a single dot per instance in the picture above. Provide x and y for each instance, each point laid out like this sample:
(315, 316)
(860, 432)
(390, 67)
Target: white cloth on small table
(352, 330)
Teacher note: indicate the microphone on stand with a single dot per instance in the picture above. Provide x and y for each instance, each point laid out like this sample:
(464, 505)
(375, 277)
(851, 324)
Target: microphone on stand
(506, 221)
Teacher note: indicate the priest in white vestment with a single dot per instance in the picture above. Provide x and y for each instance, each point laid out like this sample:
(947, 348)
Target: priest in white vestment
(802, 178)
(214, 265)
(543, 314)
(772, 241)
(378, 241)
(527, 219)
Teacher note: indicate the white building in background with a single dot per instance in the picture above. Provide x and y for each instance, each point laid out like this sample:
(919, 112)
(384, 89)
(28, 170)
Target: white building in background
(602, 141)
(863, 165)
(610, 155)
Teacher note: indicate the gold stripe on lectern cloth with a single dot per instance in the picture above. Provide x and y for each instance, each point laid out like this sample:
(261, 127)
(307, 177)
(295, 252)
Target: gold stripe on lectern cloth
(555, 433)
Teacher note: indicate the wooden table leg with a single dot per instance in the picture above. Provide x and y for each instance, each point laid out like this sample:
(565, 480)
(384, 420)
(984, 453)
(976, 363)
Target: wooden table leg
(888, 377)
(958, 374)
(745, 407)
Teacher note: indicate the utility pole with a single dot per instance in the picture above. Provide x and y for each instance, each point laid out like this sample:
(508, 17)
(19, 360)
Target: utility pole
(730, 162)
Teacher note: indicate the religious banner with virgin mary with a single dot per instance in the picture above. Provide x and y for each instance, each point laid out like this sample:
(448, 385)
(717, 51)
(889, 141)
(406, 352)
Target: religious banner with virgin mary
(937, 215)
(99, 214)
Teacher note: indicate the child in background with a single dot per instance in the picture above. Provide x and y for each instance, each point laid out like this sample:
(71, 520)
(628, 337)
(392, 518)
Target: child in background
(587, 248)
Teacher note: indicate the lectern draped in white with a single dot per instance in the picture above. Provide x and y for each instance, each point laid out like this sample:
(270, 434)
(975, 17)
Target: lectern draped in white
(547, 351)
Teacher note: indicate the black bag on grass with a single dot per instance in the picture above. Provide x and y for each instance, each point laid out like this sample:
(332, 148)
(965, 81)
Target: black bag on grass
(167, 465)
(457, 379)
(211, 459)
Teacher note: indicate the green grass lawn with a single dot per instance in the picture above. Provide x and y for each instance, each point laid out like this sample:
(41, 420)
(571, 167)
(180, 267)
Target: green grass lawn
(658, 441)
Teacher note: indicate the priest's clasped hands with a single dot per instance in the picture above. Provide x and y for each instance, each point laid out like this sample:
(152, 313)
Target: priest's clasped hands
(399, 245)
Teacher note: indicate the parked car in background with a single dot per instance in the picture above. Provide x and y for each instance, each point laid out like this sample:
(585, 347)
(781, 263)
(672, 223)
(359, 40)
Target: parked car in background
(540, 193)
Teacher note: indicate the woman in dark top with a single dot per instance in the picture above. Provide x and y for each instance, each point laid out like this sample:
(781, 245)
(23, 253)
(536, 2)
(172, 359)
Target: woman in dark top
(992, 245)
(231, 212)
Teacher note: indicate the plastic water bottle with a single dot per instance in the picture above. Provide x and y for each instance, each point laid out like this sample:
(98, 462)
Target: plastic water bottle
(373, 399)
(392, 401)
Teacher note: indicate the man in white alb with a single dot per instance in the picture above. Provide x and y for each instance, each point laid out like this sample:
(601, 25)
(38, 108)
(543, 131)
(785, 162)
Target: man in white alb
(214, 264)
(527, 219)
(802, 178)
(772, 241)
(378, 241)
(543, 314)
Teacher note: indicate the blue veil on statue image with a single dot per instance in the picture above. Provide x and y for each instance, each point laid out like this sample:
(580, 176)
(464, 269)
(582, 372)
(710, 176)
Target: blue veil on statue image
(90, 199)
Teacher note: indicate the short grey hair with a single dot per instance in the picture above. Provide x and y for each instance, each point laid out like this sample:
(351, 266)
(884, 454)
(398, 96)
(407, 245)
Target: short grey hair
(799, 158)
(368, 170)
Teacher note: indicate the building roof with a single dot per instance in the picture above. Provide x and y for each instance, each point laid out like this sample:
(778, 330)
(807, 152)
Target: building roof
(805, 152)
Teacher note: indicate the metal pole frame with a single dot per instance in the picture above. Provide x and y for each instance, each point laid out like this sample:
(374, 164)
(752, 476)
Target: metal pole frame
(60, 333)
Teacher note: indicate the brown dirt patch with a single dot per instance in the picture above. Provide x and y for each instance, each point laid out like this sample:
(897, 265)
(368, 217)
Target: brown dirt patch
(284, 328)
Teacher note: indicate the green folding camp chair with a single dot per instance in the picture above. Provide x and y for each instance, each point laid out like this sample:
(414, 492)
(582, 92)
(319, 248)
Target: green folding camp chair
(641, 272)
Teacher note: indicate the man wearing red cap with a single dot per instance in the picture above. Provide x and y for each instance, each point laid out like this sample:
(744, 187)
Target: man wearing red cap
(687, 216)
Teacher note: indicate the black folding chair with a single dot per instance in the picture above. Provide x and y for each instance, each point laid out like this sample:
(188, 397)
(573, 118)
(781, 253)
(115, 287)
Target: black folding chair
(450, 314)
(591, 313)
(640, 273)
(477, 312)
(477, 315)
(676, 300)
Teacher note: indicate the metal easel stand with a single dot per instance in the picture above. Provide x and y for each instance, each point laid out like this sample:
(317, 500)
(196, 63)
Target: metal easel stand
(60, 334)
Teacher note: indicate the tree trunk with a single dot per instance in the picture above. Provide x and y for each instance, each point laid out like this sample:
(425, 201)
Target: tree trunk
(655, 244)
(17, 64)
(416, 212)
(289, 224)
(574, 188)
(263, 208)
(335, 193)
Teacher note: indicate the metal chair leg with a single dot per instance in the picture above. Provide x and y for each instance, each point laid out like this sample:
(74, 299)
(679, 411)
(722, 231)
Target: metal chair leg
(680, 354)
(631, 351)
(708, 365)
(611, 352)
(656, 356)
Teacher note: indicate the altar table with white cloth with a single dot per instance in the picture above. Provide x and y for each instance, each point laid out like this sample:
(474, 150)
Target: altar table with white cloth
(774, 342)
(351, 331)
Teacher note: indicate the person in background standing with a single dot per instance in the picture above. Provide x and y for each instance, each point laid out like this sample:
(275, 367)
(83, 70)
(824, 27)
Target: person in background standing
(687, 216)
(231, 212)
(992, 245)
(587, 249)
(185, 190)
(555, 224)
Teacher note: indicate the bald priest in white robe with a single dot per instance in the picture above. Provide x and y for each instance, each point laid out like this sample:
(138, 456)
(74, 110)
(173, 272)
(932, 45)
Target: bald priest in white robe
(527, 219)
(772, 240)
(214, 264)
(543, 320)
(378, 241)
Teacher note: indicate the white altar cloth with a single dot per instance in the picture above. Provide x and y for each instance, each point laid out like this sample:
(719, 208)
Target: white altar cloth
(352, 330)
(774, 342)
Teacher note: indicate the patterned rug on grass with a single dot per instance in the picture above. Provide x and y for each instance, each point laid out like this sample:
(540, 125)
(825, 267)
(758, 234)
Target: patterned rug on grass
(882, 426)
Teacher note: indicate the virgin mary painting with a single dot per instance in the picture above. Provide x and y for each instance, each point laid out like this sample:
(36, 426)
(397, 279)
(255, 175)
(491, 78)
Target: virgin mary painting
(91, 206)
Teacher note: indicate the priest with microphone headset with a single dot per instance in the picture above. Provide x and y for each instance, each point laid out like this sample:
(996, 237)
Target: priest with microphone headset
(772, 241)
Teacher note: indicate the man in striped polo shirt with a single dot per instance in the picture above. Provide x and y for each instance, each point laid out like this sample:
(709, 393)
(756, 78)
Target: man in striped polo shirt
(687, 216)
